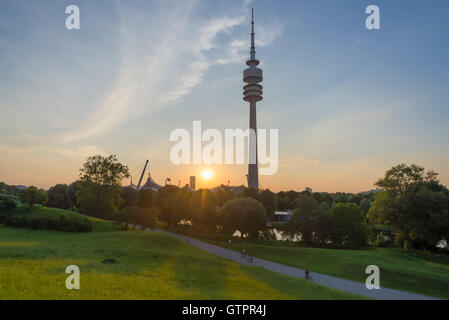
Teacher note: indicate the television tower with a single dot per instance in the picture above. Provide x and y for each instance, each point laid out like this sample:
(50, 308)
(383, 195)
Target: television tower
(252, 93)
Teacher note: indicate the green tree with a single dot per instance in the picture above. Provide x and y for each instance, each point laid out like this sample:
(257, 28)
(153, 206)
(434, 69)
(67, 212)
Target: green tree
(414, 204)
(146, 198)
(269, 201)
(147, 217)
(224, 195)
(165, 199)
(129, 196)
(57, 196)
(365, 204)
(246, 215)
(100, 193)
(183, 208)
(348, 226)
(205, 210)
(72, 193)
(304, 220)
(33, 195)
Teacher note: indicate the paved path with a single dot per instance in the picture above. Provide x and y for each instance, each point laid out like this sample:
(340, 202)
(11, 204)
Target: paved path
(325, 280)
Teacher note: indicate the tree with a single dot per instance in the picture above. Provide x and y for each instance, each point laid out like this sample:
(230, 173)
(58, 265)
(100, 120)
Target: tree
(146, 217)
(365, 204)
(146, 198)
(33, 195)
(414, 204)
(100, 193)
(224, 195)
(250, 193)
(269, 201)
(246, 215)
(7, 205)
(286, 202)
(165, 199)
(399, 178)
(129, 196)
(183, 207)
(304, 220)
(205, 210)
(57, 196)
(347, 225)
(72, 193)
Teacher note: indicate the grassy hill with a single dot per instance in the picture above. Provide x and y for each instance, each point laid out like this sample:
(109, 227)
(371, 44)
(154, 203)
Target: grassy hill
(399, 269)
(13, 198)
(148, 265)
(98, 225)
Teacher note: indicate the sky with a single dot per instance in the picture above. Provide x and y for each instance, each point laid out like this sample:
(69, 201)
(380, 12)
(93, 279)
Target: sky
(348, 102)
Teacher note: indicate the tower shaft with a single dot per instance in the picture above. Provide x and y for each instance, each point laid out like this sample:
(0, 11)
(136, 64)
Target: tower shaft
(252, 93)
(253, 169)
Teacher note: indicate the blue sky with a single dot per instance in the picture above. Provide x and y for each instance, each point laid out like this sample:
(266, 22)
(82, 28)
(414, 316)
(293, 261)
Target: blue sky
(348, 102)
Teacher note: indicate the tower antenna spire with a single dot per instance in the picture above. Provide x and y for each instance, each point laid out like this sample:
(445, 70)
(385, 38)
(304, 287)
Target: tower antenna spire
(253, 47)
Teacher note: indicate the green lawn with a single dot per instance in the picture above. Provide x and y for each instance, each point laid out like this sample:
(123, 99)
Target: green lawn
(98, 225)
(399, 269)
(148, 265)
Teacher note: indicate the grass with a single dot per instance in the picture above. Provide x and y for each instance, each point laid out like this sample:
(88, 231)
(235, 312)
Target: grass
(148, 265)
(399, 269)
(98, 225)
(13, 198)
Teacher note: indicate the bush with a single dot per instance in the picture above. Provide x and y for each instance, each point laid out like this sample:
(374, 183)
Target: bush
(7, 205)
(64, 223)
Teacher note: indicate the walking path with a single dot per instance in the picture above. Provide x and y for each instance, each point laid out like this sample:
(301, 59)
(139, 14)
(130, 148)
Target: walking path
(322, 279)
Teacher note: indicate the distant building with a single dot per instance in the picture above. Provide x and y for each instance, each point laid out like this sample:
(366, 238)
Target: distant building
(309, 190)
(20, 187)
(282, 216)
(193, 182)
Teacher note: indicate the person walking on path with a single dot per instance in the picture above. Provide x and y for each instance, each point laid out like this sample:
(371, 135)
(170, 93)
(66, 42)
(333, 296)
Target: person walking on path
(243, 253)
(250, 257)
(307, 275)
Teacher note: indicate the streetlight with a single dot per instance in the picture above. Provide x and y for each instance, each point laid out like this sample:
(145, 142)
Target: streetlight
(230, 241)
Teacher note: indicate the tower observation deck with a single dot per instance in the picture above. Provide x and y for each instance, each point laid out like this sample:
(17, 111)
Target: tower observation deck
(252, 93)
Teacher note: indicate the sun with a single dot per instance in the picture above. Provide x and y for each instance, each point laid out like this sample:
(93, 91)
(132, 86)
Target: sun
(207, 174)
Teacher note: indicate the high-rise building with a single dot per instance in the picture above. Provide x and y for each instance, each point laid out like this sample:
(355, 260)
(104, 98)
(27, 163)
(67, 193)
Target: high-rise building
(193, 182)
(252, 93)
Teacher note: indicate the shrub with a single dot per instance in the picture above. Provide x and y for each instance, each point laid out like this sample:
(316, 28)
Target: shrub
(7, 205)
(64, 223)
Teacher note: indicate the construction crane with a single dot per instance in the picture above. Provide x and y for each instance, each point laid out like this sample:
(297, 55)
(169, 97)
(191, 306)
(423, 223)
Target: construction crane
(141, 176)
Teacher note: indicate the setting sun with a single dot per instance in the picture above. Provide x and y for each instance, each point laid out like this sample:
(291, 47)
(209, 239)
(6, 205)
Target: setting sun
(207, 174)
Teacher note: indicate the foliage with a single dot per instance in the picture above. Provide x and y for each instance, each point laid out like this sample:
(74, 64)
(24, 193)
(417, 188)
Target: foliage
(137, 216)
(305, 220)
(57, 196)
(100, 193)
(64, 223)
(7, 205)
(365, 204)
(205, 210)
(72, 193)
(146, 198)
(348, 227)
(223, 195)
(246, 215)
(33, 195)
(165, 200)
(269, 201)
(414, 205)
(129, 196)
(9, 190)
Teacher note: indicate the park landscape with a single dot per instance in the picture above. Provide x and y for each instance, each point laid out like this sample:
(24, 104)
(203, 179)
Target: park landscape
(122, 254)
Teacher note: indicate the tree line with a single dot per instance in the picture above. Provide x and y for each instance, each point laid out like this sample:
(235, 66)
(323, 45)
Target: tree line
(410, 209)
